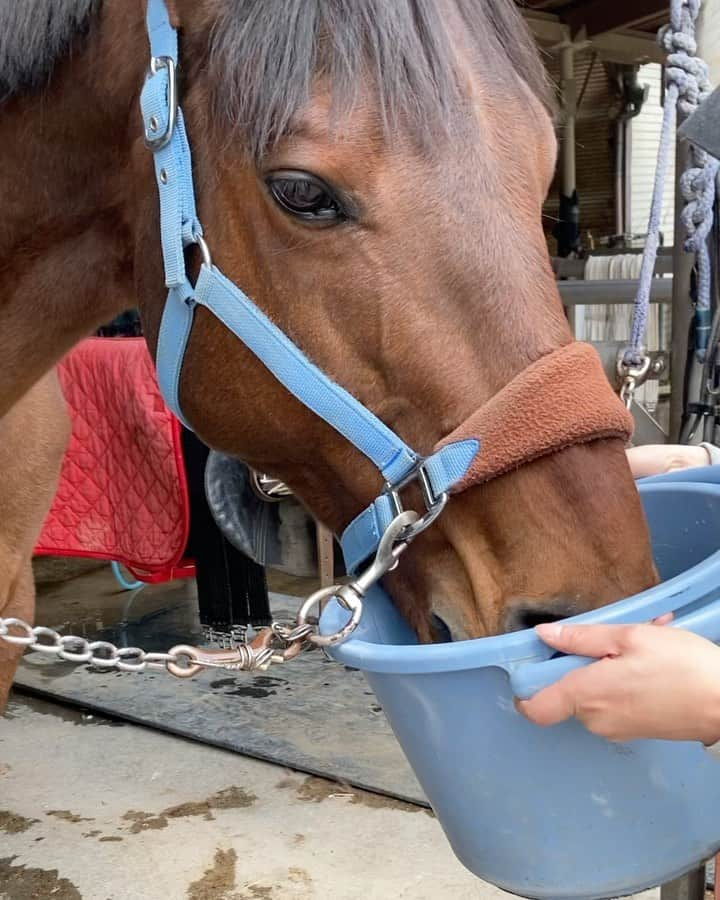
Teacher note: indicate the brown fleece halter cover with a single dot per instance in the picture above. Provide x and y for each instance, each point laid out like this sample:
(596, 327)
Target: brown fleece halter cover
(562, 399)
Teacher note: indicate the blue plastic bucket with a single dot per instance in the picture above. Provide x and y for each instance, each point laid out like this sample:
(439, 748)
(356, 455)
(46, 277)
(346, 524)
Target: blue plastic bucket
(555, 812)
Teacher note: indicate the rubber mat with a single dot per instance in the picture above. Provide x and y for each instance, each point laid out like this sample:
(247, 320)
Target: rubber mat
(311, 715)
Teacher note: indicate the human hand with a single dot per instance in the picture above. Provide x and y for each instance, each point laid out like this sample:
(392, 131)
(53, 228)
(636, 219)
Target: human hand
(658, 459)
(649, 682)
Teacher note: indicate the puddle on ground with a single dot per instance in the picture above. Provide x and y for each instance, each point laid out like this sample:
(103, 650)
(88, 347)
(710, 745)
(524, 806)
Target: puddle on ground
(261, 686)
(20, 702)
(93, 606)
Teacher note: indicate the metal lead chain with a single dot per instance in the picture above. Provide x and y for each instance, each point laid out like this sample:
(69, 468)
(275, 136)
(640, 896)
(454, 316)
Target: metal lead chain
(233, 636)
(75, 649)
(279, 643)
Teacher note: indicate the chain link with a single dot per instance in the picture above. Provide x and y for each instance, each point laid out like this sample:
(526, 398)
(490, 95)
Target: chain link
(71, 648)
(279, 643)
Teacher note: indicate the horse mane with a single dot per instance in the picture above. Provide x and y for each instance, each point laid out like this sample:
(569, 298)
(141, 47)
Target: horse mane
(34, 35)
(267, 54)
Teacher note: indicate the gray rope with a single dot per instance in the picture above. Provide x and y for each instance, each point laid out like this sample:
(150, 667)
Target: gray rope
(687, 86)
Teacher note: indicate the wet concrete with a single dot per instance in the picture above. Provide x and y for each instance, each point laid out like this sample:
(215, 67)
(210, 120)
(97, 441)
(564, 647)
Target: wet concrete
(66, 816)
(315, 790)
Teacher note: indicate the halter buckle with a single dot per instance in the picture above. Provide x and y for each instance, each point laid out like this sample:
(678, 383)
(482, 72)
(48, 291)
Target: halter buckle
(434, 503)
(154, 139)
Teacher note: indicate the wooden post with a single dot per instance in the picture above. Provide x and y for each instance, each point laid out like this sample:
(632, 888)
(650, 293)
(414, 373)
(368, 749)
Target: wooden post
(569, 102)
(325, 555)
(568, 161)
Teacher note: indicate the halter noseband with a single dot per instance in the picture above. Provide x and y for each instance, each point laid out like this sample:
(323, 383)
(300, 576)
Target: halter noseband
(559, 420)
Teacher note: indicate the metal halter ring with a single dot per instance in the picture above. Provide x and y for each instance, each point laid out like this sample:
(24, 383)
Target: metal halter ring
(347, 598)
(204, 250)
(636, 372)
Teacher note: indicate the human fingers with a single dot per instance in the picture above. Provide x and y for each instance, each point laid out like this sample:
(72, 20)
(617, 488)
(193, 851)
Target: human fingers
(549, 707)
(585, 640)
(656, 459)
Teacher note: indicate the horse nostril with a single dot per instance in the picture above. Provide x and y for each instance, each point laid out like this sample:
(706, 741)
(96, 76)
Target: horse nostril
(522, 614)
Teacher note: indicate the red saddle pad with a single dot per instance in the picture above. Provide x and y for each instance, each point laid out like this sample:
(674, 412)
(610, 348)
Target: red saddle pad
(123, 493)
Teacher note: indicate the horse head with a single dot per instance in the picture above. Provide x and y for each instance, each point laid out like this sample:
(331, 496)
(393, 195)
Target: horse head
(372, 175)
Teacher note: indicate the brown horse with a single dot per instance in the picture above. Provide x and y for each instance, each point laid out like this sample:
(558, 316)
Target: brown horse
(372, 175)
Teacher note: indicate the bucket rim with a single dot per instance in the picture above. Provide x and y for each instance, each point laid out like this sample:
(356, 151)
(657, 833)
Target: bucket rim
(508, 650)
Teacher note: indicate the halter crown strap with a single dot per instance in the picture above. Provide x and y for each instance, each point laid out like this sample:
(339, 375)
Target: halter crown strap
(166, 137)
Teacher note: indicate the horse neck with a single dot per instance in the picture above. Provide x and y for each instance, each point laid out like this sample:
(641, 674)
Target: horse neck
(65, 244)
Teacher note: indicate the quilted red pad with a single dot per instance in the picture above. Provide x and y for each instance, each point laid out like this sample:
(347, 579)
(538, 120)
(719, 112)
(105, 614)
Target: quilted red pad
(123, 493)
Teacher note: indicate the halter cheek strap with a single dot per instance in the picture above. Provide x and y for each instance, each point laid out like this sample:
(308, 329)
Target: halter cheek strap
(165, 136)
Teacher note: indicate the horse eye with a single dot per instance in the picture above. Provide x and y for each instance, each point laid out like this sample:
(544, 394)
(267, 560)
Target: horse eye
(306, 197)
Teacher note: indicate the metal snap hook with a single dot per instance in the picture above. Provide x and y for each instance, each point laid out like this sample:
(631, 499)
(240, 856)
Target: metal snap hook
(350, 596)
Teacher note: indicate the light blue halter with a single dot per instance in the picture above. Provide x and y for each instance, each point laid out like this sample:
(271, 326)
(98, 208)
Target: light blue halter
(399, 465)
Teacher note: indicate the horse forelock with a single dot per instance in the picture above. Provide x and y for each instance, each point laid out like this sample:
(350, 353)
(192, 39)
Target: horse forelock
(266, 57)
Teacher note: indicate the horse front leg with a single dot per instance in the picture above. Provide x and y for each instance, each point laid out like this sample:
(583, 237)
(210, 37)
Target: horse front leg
(33, 438)
(21, 605)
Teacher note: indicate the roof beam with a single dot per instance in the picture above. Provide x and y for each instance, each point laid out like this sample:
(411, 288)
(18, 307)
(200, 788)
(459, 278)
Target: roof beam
(546, 28)
(600, 16)
(627, 46)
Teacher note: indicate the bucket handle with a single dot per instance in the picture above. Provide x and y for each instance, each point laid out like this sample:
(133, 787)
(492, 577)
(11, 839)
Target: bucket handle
(528, 679)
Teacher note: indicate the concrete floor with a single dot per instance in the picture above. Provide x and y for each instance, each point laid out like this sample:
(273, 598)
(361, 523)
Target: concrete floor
(100, 810)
